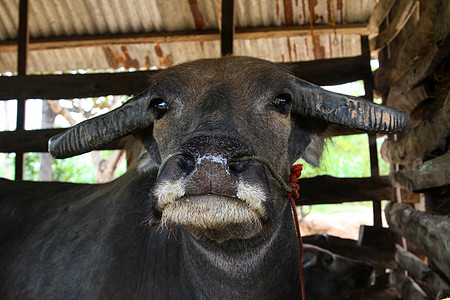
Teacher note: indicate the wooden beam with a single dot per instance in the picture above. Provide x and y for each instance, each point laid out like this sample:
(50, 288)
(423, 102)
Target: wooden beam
(414, 75)
(27, 141)
(409, 100)
(36, 140)
(377, 236)
(227, 31)
(420, 271)
(39, 44)
(431, 174)
(105, 40)
(430, 134)
(331, 71)
(328, 190)
(419, 69)
(406, 286)
(429, 233)
(379, 14)
(350, 248)
(404, 10)
(302, 30)
(401, 61)
(69, 86)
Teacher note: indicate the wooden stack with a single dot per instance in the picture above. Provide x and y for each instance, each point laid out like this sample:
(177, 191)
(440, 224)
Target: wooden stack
(412, 41)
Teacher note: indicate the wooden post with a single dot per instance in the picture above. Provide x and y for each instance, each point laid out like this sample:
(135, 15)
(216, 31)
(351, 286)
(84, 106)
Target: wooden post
(22, 71)
(375, 172)
(227, 32)
(374, 169)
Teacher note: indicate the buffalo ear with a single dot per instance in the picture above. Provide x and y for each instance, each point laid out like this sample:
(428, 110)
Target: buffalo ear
(309, 259)
(151, 154)
(313, 151)
(145, 158)
(306, 140)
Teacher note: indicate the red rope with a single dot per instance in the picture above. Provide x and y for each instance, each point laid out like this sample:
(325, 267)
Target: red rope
(296, 172)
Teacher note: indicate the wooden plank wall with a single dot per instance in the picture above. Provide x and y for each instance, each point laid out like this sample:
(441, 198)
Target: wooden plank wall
(414, 75)
(413, 45)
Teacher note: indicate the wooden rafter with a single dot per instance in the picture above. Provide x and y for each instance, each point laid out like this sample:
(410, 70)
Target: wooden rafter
(181, 36)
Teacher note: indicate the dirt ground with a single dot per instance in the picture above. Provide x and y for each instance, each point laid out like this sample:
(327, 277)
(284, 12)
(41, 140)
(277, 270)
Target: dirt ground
(344, 225)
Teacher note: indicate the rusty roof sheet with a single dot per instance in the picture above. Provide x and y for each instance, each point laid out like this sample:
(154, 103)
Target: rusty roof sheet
(85, 18)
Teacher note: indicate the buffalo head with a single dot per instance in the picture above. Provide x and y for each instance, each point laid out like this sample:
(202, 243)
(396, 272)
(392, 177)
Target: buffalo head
(196, 120)
(331, 276)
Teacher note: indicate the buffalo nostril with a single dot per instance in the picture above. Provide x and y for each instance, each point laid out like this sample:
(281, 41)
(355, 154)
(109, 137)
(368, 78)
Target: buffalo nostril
(186, 163)
(365, 276)
(238, 167)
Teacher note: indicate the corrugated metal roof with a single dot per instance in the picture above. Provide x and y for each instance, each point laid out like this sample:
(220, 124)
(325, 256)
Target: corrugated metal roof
(67, 18)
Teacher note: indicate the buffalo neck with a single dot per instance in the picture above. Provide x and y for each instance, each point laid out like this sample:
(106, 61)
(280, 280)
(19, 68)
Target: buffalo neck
(258, 268)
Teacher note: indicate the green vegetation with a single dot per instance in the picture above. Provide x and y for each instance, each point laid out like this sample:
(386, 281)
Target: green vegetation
(76, 169)
(7, 165)
(346, 156)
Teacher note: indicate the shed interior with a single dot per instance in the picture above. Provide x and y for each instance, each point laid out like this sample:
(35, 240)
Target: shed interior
(72, 49)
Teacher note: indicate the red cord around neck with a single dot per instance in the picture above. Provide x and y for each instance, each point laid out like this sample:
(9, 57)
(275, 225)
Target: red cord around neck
(296, 172)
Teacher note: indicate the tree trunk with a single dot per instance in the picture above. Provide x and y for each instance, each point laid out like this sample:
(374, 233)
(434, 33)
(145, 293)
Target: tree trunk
(104, 168)
(48, 118)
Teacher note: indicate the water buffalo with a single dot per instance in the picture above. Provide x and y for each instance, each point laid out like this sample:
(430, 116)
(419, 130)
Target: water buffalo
(331, 276)
(226, 229)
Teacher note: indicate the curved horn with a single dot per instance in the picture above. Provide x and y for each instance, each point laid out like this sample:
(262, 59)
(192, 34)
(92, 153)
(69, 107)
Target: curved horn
(311, 100)
(94, 133)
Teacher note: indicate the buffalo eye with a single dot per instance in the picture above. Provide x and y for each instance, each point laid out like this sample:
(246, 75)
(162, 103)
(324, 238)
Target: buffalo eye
(282, 103)
(328, 261)
(159, 107)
